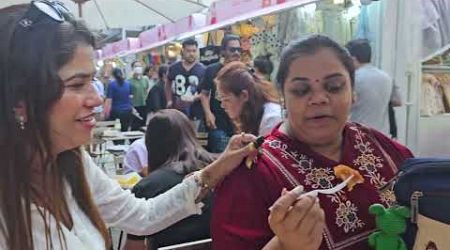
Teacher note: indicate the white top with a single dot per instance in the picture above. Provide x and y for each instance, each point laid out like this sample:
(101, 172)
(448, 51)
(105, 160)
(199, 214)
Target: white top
(136, 157)
(118, 208)
(271, 117)
(100, 88)
(373, 89)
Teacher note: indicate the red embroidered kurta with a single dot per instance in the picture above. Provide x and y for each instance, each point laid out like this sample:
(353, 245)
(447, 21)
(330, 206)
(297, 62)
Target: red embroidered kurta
(241, 203)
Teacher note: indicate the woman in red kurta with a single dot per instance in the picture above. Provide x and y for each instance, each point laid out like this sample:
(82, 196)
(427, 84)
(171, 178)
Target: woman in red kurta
(316, 76)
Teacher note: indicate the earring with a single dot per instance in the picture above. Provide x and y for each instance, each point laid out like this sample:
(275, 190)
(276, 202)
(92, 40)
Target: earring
(21, 122)
(284, 114)
(283, 111)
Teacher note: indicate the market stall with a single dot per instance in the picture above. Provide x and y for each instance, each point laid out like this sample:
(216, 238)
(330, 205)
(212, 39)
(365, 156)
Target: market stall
(108, 14)
(413, 55)
(434, 99)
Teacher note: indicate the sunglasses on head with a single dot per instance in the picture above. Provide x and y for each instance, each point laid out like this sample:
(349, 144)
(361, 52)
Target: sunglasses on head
(40, 9)
(235, 49)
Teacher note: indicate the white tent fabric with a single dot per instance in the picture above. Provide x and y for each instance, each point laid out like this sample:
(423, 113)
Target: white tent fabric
(103, 14)
(435, 27)
(401, 47)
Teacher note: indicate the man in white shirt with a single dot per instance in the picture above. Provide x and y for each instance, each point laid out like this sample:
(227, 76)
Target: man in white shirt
(373, 89)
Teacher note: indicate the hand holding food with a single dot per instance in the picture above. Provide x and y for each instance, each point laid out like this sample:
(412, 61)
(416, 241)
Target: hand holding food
(297, 224)
(255, 145)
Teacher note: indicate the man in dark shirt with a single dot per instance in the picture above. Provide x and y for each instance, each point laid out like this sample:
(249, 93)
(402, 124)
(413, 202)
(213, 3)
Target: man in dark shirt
(183, 79)
(217, 121)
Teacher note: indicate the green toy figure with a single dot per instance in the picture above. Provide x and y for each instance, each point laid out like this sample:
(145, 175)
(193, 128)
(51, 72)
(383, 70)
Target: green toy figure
(391, 222)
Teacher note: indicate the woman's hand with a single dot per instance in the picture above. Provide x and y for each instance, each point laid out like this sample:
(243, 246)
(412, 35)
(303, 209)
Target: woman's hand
(297, 224)
(238, 148)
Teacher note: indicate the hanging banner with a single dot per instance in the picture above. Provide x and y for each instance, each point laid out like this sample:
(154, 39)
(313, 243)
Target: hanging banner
(223, 10)
(166, 31)
(133, 43)
(148, 37)
(120, 46)
(108, 50)
(190, 23)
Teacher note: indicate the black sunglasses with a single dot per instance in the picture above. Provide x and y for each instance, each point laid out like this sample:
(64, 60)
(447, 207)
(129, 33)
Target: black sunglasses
(234, 49)
(44, 8)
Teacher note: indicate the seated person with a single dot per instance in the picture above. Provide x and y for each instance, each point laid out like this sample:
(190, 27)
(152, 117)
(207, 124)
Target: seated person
(175, 153)
(136, 158)
(251, 102)
(316, 77)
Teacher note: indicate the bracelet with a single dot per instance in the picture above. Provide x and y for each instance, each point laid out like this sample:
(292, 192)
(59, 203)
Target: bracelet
(204, 188)
(199, 180)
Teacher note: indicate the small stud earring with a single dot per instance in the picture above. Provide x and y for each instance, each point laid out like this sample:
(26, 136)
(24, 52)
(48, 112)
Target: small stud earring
(284, 114)
(21, 122)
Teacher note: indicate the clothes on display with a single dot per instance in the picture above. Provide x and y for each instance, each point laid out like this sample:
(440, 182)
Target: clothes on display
(435, 94)
(435, 25)
(444, 81)
(276, 31)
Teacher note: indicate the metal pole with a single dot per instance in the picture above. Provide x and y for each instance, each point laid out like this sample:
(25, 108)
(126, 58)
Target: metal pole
(80, 10)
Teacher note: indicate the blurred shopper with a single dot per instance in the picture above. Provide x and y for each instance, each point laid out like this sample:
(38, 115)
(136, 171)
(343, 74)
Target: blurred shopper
(219, 125)
(139, 90)
(118, 100)
(156, 99)
(263, 66)
(373, 88)
(251, 102)
(183, 79)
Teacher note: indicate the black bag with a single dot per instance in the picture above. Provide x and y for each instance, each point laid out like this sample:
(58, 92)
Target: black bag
(210, 54)
(423, 184)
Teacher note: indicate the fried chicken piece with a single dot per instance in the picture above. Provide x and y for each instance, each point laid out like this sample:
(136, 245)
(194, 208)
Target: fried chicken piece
(343, 172)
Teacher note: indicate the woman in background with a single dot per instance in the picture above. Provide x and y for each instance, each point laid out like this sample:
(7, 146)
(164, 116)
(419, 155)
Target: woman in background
(156, 99)
(251, 102)
(175, 153)
(136, 157)
(263, 66)
(118, 100)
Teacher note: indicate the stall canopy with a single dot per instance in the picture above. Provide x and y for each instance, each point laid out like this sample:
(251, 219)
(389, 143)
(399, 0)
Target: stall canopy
(224, 13)
(167, 32)
(220, 14)
(104, 14)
